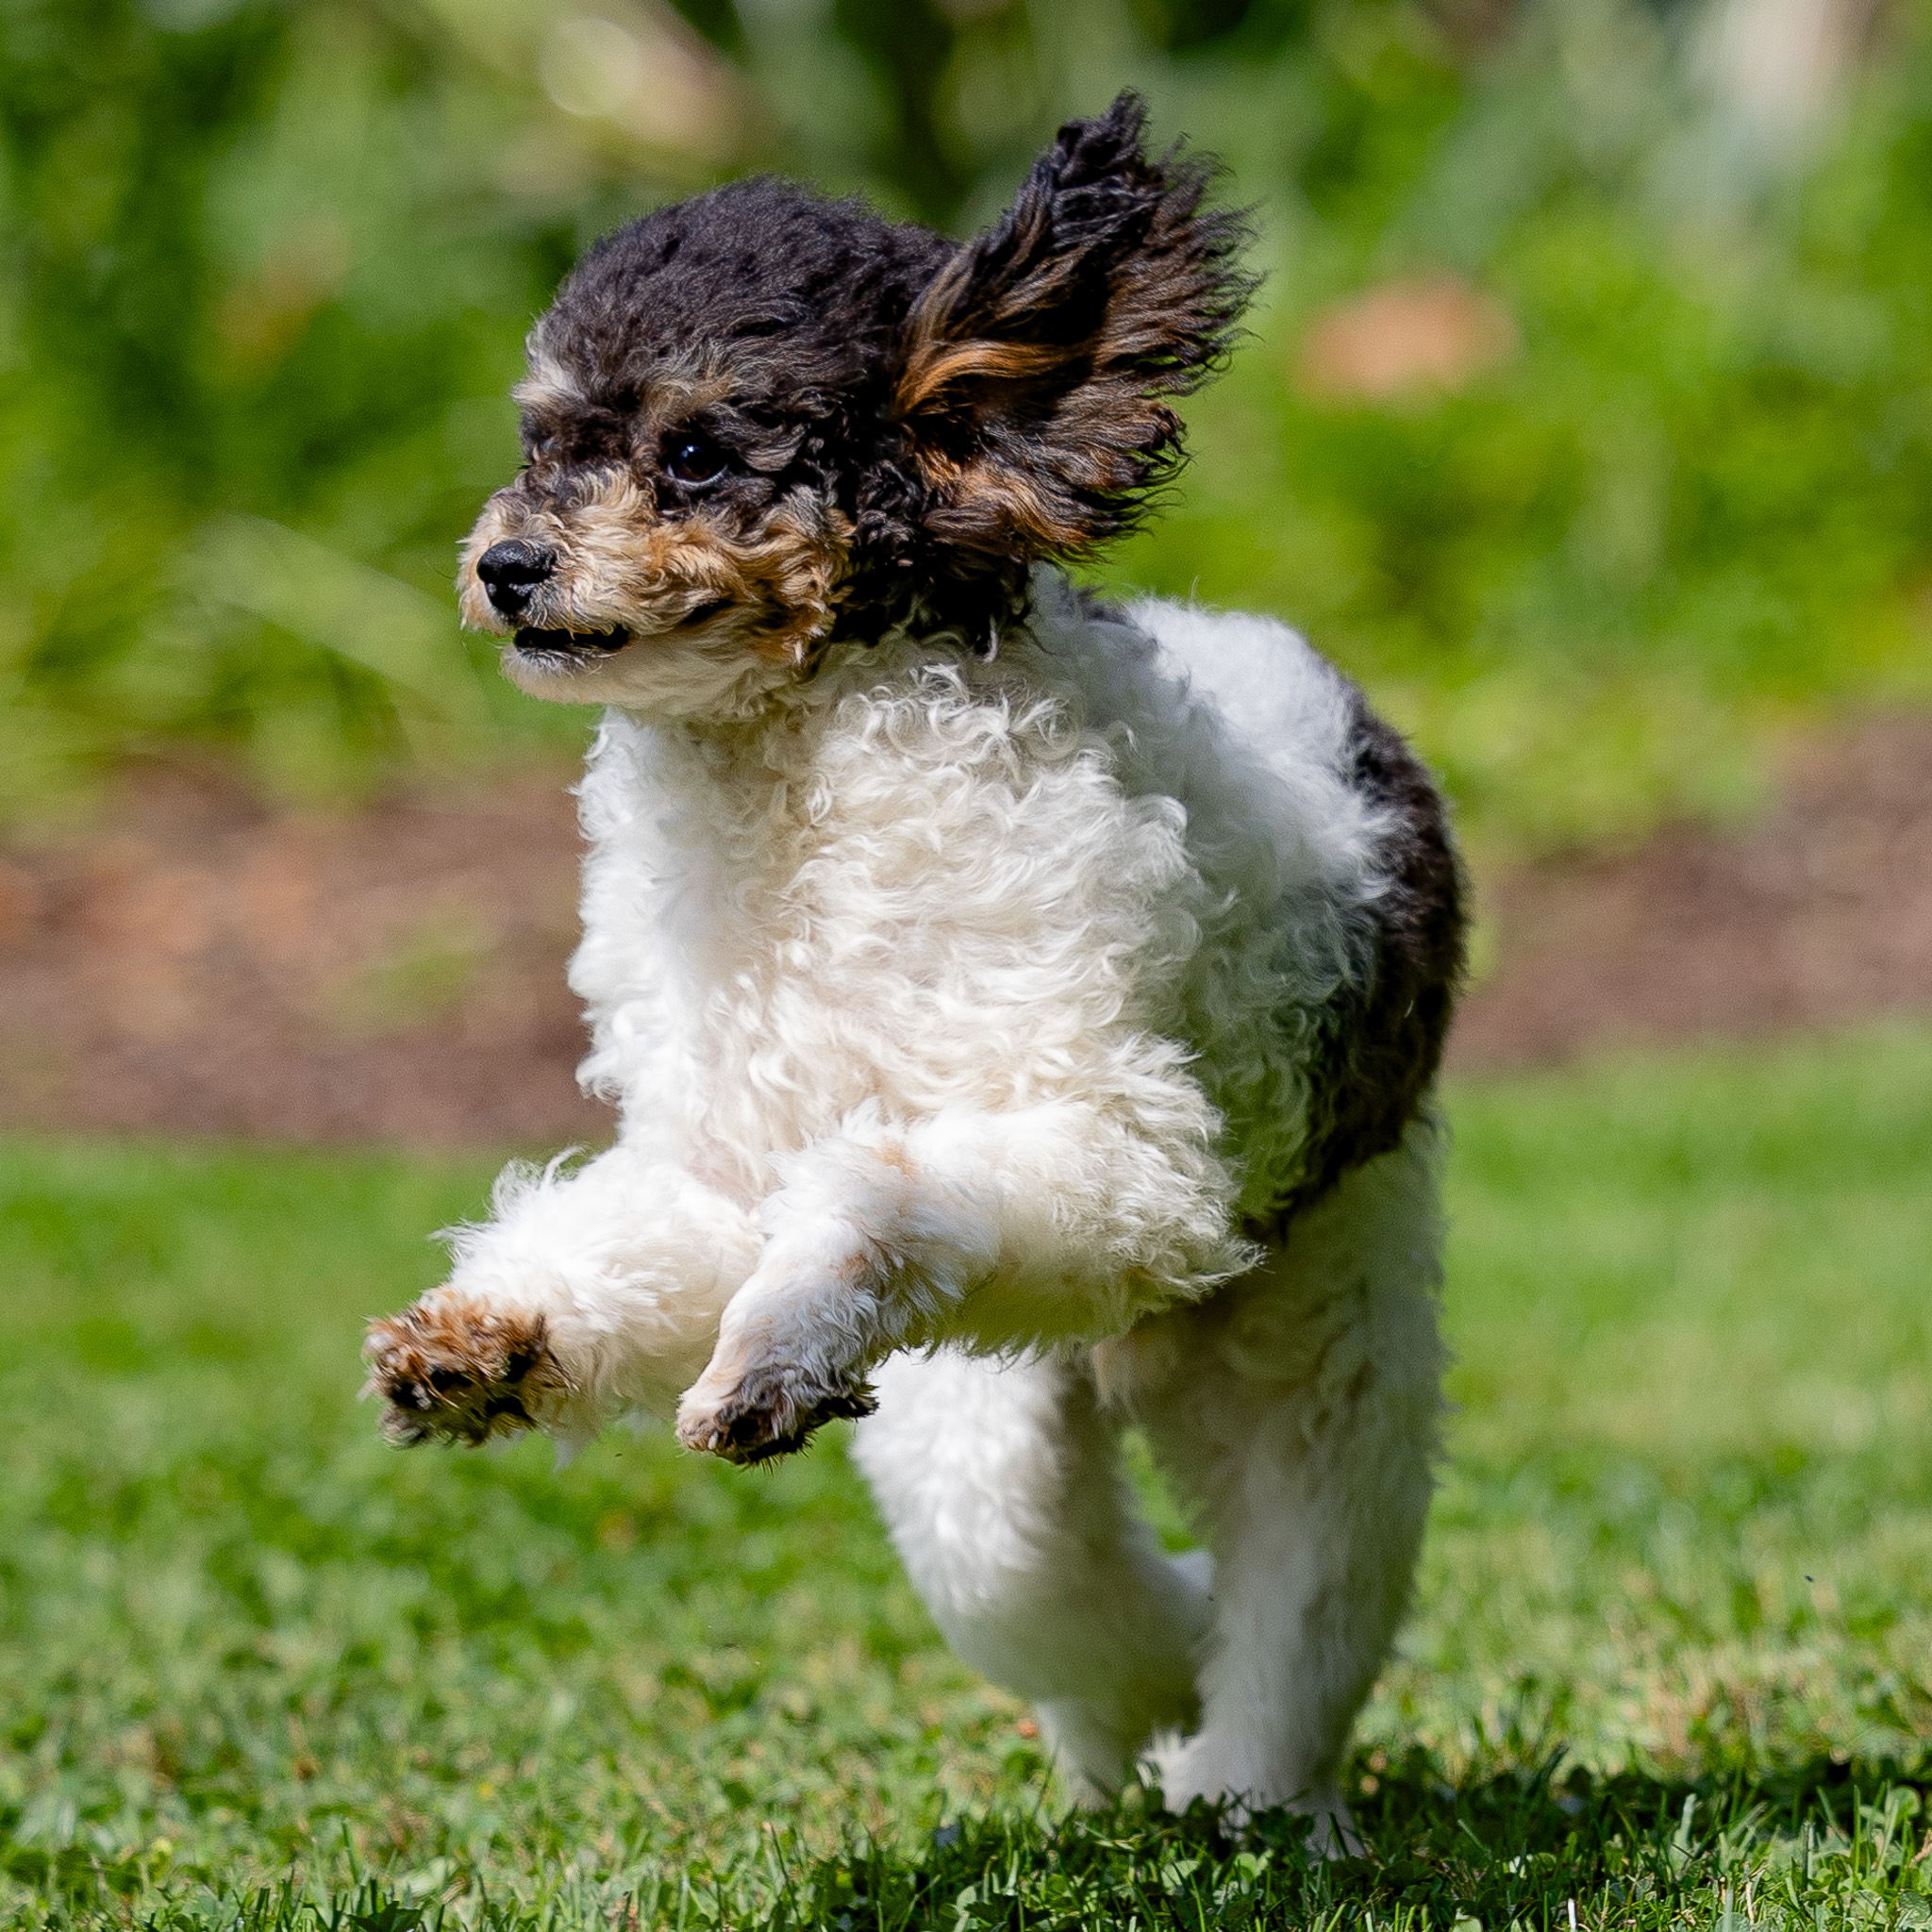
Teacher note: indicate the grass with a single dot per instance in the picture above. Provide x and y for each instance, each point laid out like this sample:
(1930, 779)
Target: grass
(1670, 1659)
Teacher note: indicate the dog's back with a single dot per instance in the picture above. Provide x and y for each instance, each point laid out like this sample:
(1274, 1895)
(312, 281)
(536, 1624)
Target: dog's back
(1330, 900)
(1392, 886)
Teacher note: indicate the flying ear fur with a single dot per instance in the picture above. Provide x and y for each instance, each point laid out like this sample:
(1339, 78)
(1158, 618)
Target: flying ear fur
(1036, 362)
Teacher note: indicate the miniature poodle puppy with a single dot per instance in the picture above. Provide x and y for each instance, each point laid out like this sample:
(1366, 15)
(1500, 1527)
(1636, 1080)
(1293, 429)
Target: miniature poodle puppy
(1022, 1010)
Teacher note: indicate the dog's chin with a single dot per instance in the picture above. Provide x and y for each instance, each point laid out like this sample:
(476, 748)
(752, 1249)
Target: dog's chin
(573, 666)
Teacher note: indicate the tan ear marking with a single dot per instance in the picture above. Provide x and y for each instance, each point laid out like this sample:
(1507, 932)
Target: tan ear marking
(989, 505)
(1036, 362)
(935, 365)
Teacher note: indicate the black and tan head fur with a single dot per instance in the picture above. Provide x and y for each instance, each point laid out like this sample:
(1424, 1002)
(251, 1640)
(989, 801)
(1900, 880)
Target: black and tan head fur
(758, 421)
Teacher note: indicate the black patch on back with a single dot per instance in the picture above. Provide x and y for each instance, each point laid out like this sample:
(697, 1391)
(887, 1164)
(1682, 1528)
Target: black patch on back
(1382, 1041)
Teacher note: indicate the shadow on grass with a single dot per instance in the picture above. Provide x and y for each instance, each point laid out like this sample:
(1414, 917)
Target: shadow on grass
(1820, 1843)
(1518, 1849)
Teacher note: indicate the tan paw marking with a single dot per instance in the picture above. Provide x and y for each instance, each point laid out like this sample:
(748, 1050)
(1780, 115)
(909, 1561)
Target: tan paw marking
(449, 1369)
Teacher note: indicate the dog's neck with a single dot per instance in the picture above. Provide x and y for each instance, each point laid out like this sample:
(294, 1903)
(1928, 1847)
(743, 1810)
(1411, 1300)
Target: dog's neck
(750, 740)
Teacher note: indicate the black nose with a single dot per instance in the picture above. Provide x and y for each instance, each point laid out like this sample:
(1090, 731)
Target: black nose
(512, 571)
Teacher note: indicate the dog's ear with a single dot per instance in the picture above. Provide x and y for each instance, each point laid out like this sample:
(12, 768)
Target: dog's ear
(1037, 362)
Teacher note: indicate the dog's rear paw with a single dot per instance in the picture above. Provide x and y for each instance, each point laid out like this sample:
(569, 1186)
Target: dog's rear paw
(452, 1370)
(767, 1413)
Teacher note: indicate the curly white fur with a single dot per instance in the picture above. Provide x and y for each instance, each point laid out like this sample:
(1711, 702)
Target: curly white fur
(970, 1005)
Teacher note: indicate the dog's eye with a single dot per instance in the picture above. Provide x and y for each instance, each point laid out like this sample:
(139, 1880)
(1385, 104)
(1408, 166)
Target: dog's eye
(694, 459)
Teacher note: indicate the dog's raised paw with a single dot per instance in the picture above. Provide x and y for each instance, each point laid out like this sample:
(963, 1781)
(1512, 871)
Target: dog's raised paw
(450, 1369)
(765, 1416)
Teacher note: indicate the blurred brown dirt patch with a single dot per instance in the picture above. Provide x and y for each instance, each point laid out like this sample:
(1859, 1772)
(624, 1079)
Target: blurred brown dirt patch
(195, 962)
(1818, 915)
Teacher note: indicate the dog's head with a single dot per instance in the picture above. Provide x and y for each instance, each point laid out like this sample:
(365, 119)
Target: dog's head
(758, 420)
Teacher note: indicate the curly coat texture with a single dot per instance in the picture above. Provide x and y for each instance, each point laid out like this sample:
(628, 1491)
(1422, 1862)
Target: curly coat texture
(1021, 1012)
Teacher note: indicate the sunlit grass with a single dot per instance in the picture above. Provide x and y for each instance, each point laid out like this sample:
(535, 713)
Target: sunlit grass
(1672, 1626)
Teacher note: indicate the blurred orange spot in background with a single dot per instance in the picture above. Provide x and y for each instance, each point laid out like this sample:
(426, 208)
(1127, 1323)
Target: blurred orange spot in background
(1403, 339)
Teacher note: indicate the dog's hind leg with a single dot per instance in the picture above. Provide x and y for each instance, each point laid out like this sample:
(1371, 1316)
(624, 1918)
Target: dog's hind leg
(1002, 1486)
(1301, 1408)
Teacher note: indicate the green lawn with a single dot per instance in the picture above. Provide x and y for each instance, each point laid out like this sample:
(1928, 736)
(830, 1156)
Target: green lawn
(1672, 1658)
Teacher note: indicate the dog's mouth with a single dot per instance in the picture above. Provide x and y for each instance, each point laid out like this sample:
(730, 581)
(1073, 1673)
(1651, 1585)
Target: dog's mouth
(572, 643)
(581, 645)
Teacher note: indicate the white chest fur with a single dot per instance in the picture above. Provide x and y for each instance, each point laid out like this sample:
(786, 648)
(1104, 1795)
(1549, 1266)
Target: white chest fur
(1068, 875)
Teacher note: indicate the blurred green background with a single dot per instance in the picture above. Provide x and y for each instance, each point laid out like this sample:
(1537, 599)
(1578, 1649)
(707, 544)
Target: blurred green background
(1587, 415)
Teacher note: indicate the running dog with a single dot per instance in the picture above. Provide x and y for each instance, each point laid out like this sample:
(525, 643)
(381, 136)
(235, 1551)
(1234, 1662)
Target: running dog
(1023, 1011)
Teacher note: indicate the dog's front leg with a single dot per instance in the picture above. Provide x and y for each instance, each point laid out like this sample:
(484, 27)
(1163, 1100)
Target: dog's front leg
(862, 1242)
(588, 1291)
(880, 1236)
